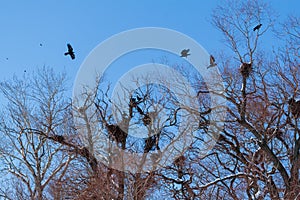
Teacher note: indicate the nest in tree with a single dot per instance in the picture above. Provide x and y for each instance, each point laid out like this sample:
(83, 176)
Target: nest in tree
(146, 120)
(150, 142)
(246, 69)
(58, 138)
(116, 133)
(180, 161)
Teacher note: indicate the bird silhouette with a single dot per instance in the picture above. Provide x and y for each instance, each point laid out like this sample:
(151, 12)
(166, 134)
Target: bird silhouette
(185, 53)
(212, 62)
(294, 106)
(139, 98)
(70, 52)
(257, 27)
(41, 44)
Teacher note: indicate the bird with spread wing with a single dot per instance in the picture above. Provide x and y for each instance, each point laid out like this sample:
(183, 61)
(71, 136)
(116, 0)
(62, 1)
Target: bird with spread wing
(70, 52)
(185, 53)
(212, 62)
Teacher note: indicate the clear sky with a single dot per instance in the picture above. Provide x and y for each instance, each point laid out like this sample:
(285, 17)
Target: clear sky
(27, 24)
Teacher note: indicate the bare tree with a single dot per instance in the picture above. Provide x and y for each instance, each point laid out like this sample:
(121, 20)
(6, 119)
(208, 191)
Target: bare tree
(34, 103)
(256, 155)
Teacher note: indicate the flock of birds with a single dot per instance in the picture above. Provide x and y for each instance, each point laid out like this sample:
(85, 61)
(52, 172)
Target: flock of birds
(69, 52)
(245, 69)
(185, 52)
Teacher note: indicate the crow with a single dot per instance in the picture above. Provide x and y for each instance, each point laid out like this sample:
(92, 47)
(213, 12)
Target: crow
(212, 62)
(257, 27)
(70, 52)
(294, 106)
(185, 53)
(138, 98)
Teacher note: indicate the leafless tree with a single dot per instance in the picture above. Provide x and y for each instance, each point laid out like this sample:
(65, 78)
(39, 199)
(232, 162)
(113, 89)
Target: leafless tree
(33, 103)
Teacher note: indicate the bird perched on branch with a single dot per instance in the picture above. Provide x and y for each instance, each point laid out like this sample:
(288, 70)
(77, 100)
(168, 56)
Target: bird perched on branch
(185, 53)
(70, 52)
(257, 27)
(294, 107)
(212, 62)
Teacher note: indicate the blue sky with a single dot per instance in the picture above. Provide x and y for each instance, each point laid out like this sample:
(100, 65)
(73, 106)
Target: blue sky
(85, 24)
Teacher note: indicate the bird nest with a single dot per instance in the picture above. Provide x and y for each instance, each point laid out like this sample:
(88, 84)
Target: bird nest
(246, 69)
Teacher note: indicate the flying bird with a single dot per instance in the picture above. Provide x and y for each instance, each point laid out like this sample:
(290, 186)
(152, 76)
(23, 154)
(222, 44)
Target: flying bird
(185, 53)
(212, 62)
(41, 44)
(257, 27)
(70, 52)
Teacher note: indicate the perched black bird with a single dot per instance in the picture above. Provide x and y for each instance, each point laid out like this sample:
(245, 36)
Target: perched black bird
(138, 98)
(212, 62)
(133, 102)
(257, 27)
(70, 52)
(294, 107)
(185, 53)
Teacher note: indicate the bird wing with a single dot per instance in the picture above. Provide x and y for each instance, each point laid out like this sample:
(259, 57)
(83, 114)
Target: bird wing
(72, 56)
(212, 59)
(69, 47)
